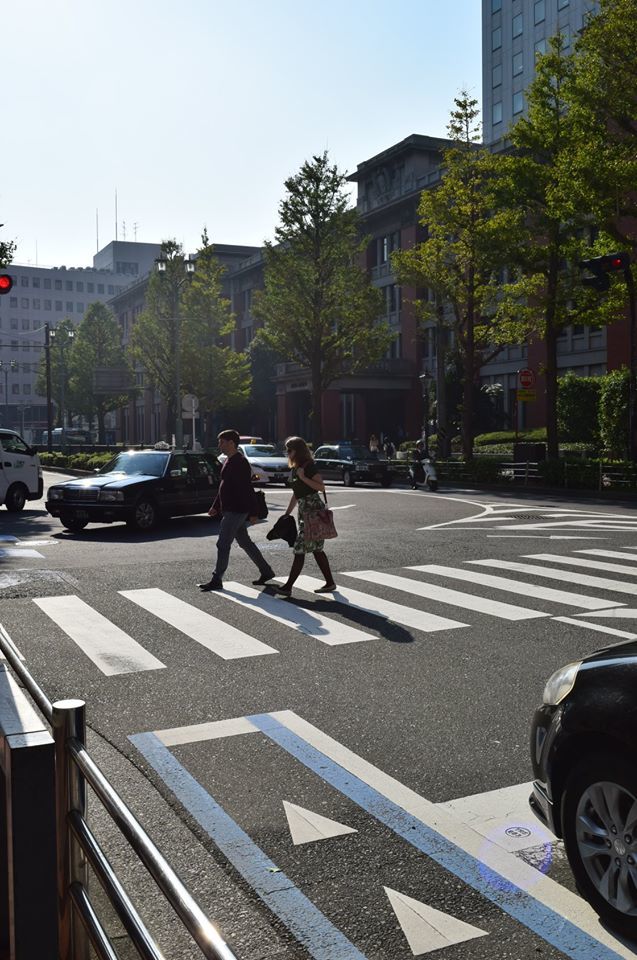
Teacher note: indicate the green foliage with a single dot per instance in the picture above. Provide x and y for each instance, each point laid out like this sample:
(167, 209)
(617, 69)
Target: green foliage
(613, 411)
(318, 307)
(97, 344)
(471, 236)
(578, 407)
(7, 249)
(499, 436)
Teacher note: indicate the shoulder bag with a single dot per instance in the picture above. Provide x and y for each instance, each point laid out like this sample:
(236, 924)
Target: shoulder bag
(319, 524)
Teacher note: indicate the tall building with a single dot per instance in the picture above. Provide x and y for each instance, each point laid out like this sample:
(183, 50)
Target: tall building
(514, 32)
(47, 295)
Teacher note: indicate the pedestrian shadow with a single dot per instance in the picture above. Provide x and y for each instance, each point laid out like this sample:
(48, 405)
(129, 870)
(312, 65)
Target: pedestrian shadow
(355, 617)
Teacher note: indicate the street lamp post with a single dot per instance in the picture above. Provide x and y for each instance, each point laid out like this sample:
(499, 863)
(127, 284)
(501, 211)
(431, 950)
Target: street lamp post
(63, 341)
(425, 379)
(189, 267)
(5, 366)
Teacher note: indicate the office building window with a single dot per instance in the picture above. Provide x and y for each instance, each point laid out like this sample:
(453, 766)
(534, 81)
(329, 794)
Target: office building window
(47, 284)
(25, 323)
(100, 288)
(561, 4)
(68, 284)
(79, 308)
(518, 25)
(518, 64)
(111, 289)
(14, 323)
(27, 388)
(58, 284)
(496, 75)
(24, 281)
(36, 303)
(79, 286)
(15, 388)
(540, 47)
(90, 288)
(496, 38)
(58, 306)
(47, 304)
(13, 301)
(539, 11)
(496, 6)
(24, 303)
(518, 103)
(566, 37)
(69, 306)
(35, 281)
(496, 112)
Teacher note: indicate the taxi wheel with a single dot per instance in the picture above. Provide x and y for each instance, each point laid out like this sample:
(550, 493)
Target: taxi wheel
(69, 522)
(16, 498)
(145, 515)
(348, 478)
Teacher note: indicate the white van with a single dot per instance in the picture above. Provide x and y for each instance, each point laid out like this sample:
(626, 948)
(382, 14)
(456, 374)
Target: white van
(20, 471)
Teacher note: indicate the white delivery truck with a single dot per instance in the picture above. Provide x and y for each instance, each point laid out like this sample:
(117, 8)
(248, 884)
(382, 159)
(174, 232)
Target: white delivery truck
(20, 471)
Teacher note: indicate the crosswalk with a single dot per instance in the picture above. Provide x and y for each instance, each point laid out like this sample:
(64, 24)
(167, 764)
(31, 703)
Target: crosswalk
(424, 598)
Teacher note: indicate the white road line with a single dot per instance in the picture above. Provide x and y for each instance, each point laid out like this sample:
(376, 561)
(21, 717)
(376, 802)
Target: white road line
(503, 816)
(616, 554)
(565, 576)
(599, 628)
(213, 730)
(344, 506)
(219, 637)
(393, 612)
(515, 586)
(311, 623)
(431, 591)
(21, 552)
(581, 562)
(110, 649)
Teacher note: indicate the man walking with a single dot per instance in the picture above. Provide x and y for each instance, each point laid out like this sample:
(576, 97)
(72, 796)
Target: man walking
(235, 503)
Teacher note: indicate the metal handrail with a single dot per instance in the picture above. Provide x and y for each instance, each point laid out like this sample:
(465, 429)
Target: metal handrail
(10, 652)
(203, 932)
(77, 845)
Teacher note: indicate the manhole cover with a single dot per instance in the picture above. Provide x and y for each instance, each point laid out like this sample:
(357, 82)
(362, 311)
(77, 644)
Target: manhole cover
(527, 516)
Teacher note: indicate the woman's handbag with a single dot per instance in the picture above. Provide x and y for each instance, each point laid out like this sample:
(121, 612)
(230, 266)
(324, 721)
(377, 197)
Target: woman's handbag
(319, 524)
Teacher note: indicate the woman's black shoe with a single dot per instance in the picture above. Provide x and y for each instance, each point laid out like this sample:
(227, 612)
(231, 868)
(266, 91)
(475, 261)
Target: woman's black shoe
(211, 585)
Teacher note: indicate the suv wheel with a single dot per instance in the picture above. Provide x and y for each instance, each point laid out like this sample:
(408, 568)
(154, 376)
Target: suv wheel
(16, 498)
(72, 523)
(348, 478)
(599, 816)
(144, 516)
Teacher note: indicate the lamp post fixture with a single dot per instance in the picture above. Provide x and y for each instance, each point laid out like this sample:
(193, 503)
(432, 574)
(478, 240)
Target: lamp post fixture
(425, 379)
(5, 366)
(63, 341)
(189, 267)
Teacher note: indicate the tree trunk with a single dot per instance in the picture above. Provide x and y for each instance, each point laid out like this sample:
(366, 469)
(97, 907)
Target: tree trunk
(467, 392)
(317, 405)
(550, 339)
(101, 431)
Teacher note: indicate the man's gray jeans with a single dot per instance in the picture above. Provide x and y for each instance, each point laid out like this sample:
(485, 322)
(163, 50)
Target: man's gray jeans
(234, 526)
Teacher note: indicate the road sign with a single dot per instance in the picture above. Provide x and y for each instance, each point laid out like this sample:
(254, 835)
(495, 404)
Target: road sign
(526, 378)
(190, 403)
(527, 395)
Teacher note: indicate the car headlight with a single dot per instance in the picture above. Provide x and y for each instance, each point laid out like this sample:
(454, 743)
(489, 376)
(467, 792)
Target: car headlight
(55, 493)
(561, 683)
(111, 496)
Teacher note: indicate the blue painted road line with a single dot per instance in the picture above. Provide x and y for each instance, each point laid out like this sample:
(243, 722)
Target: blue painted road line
(304, 920)
(514, 900)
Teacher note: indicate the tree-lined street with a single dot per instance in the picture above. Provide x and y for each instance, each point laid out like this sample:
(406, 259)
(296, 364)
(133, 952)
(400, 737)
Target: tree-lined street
(386, 758)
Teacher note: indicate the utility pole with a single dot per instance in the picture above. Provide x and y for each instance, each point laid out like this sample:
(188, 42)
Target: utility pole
(49, 405)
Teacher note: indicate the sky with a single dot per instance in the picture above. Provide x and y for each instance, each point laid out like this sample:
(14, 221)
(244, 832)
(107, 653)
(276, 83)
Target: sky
(196, 112)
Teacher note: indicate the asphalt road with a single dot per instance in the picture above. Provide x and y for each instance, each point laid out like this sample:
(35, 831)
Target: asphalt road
(384, 772)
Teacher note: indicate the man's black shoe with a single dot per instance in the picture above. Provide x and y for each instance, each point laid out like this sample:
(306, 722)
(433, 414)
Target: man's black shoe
(211, 585)
(263, 579)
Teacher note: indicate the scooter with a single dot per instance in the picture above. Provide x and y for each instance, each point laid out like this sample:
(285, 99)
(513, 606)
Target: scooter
(423, 472)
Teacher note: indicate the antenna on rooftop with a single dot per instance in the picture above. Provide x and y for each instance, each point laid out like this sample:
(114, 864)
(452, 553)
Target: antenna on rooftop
(97, 230)
(116, 214)
(135, 225)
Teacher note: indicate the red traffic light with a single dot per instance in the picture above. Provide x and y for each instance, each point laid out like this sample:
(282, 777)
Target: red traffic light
(6, 282)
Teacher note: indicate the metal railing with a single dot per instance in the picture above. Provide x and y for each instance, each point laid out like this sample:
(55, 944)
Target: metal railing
(77, 847)
(522, 471)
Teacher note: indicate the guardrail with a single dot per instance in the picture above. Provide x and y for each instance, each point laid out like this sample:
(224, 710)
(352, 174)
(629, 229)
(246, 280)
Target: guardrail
(523, 470)
(78, 925)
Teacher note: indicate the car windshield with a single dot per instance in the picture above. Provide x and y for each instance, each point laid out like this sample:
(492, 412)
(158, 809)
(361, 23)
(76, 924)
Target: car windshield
(131, 463)
(357, 453)
(263, 450)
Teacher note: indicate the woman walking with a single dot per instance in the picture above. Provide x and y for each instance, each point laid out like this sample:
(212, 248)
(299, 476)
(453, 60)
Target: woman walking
(306, 484)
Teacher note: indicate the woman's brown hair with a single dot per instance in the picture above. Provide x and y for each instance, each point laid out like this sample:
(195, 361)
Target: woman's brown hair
(298, 451)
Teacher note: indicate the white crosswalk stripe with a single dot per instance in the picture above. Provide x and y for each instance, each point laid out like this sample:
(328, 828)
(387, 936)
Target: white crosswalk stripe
(566, 576)
(110, 649)
(516, 586)
(309, 622)
(387, 609)
(581, 562)
(431, 591)
(613, 554)
(214, 634)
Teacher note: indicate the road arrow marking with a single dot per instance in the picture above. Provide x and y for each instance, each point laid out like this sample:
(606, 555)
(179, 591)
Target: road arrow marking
(427, 929)
(307, 826)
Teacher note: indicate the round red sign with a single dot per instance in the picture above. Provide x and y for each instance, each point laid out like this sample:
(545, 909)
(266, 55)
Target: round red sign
(527, 378)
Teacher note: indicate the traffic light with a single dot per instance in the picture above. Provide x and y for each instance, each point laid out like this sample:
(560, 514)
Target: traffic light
(600, 267)
(6, 282)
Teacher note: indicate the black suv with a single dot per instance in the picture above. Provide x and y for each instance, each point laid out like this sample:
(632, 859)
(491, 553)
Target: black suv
(138, 487)
(352, 464)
